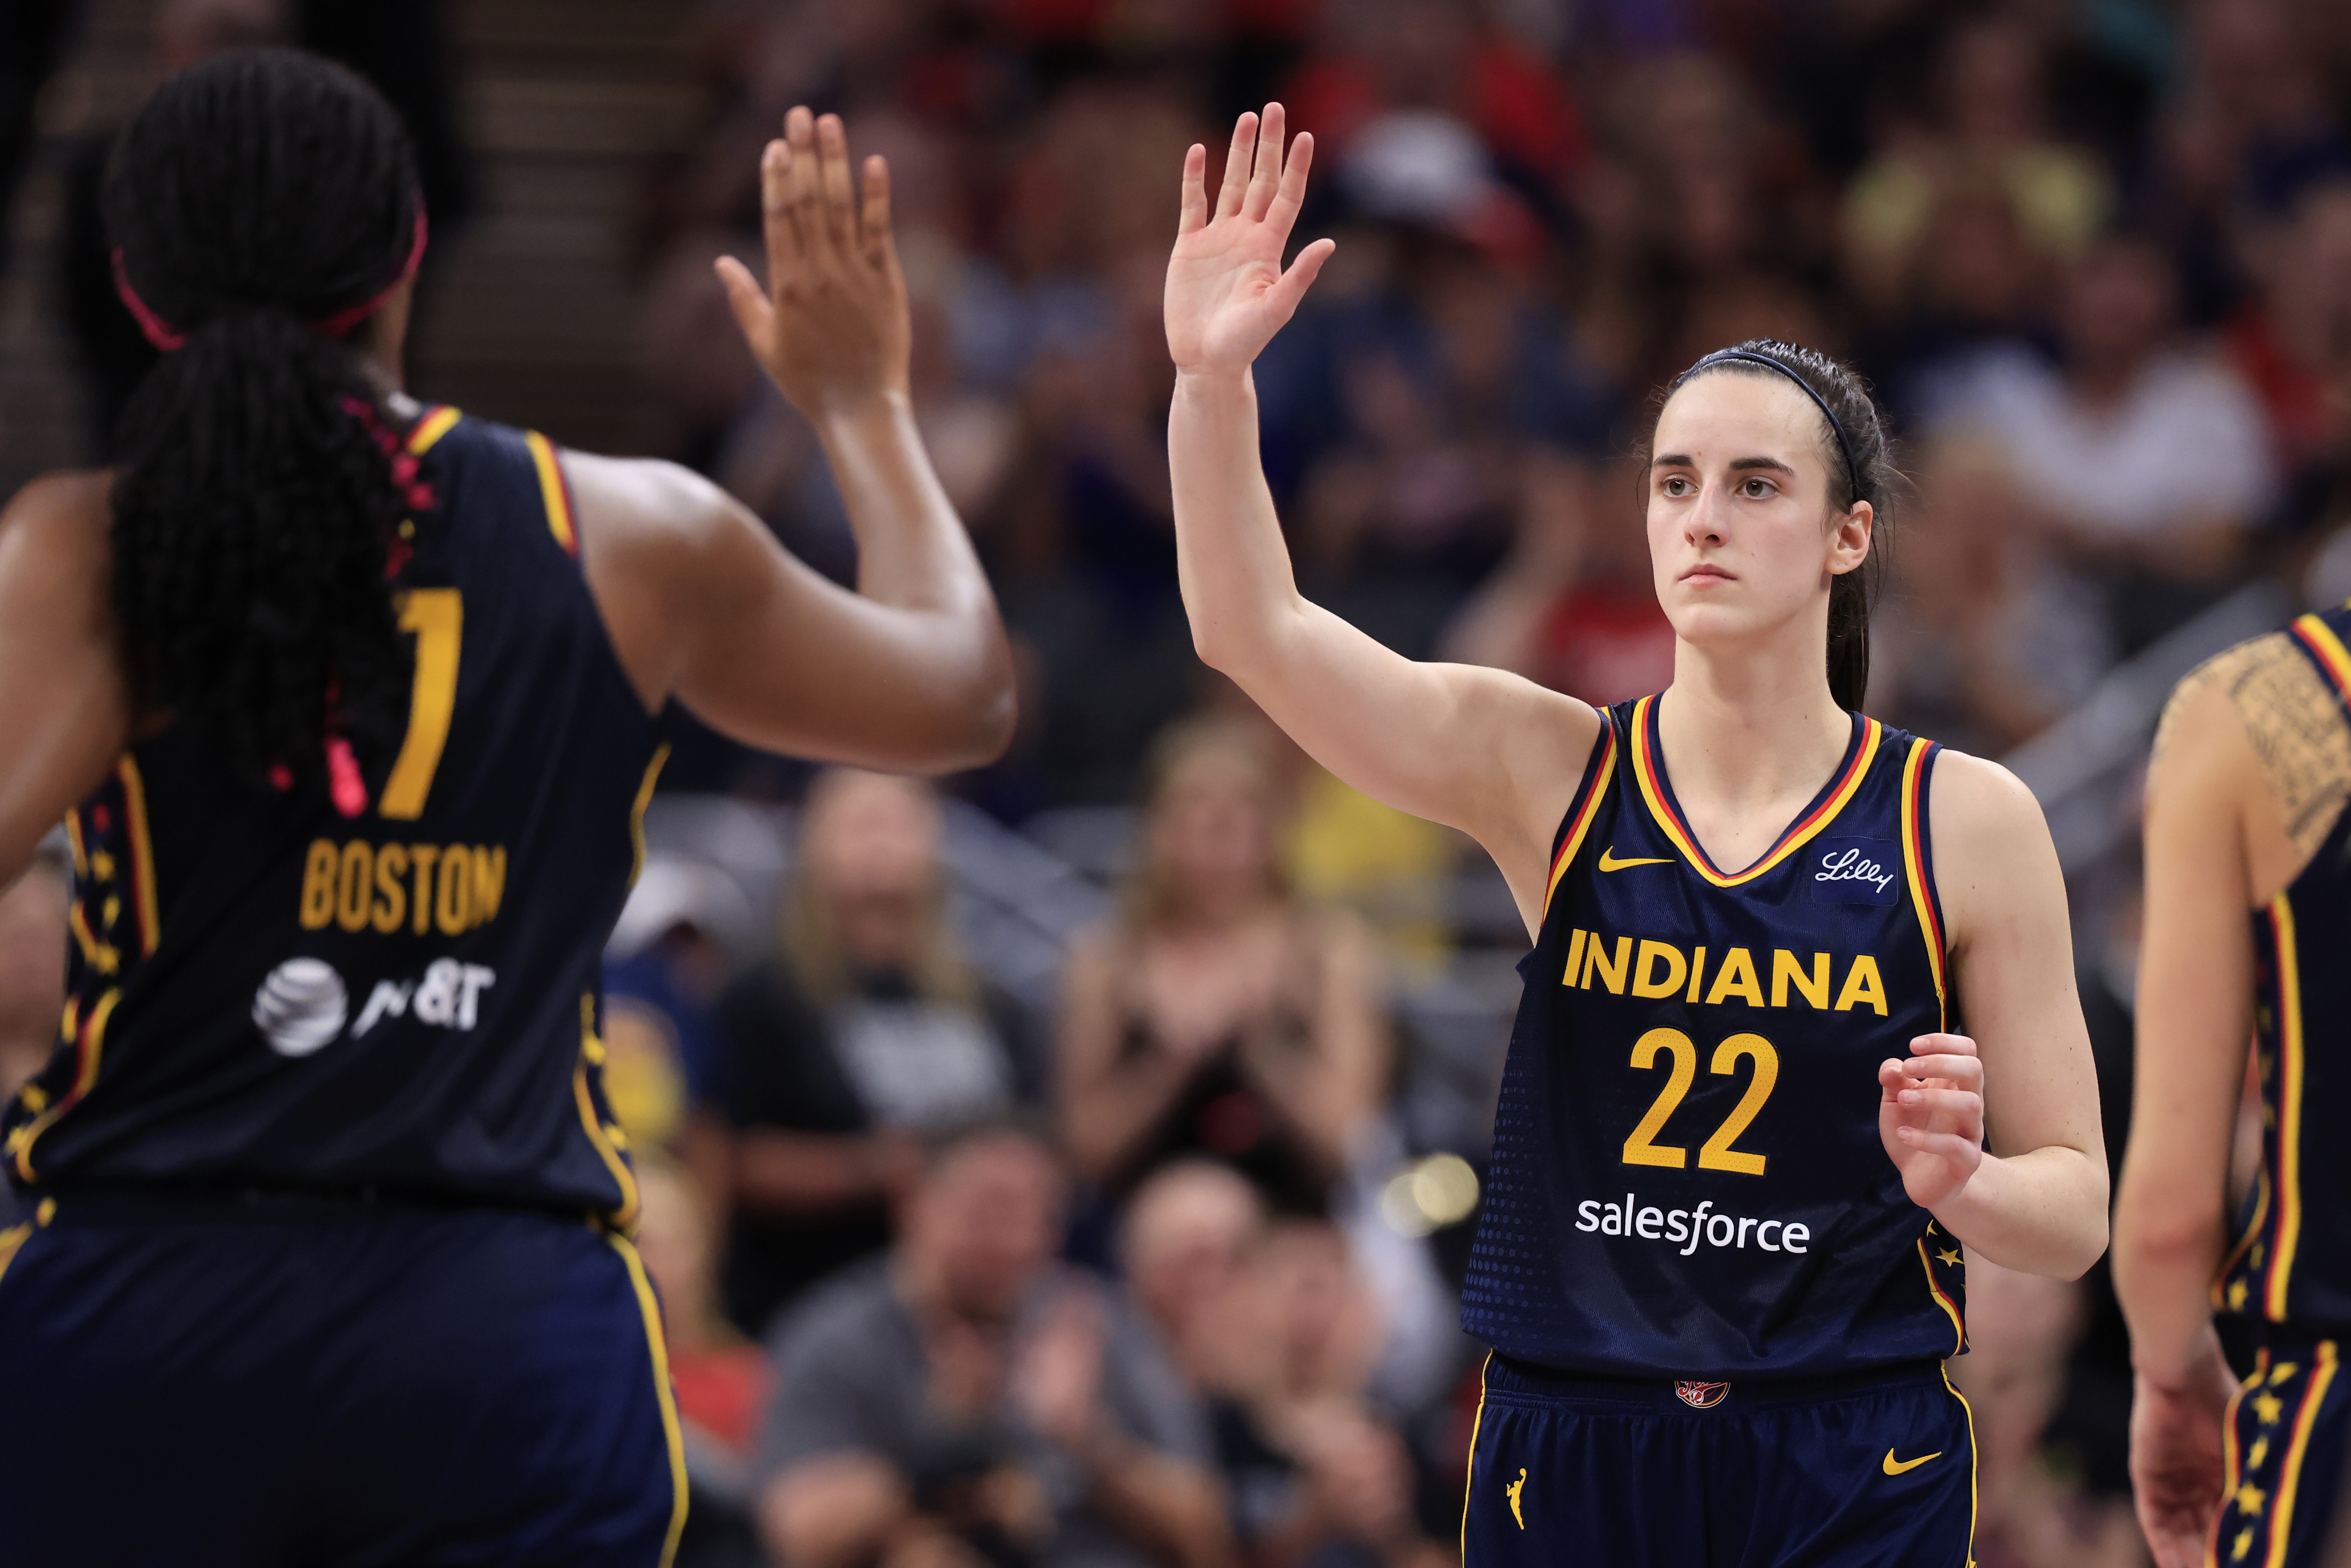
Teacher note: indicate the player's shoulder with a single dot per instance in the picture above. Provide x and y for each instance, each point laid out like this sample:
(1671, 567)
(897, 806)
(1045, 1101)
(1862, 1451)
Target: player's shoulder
(56, 529)
(2256, 660)
(650, 509)
(1974, 802)
(66, 495)
(2261, 697)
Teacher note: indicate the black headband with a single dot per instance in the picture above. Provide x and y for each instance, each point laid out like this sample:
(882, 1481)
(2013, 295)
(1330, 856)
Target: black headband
(1844, 441)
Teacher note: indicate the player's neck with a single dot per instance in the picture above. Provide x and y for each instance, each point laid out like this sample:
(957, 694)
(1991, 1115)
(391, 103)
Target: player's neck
(1749, 728)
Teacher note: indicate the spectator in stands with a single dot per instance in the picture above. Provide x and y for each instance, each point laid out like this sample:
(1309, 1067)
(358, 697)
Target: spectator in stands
(1217, 1016)
(1992, 131)
(1189, 1237)
(1279, 1335)
(32, 979)
(961, 1402)
(2291, 343)
(865, 1031)
(2145, 457)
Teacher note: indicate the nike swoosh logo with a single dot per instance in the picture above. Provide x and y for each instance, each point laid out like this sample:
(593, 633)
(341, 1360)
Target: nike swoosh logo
(1608, 860)
(1893, 1467)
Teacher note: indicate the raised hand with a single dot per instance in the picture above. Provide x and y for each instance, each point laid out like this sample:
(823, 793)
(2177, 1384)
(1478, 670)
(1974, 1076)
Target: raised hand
(1226, 293)
(831, 325)
(1930, 1116)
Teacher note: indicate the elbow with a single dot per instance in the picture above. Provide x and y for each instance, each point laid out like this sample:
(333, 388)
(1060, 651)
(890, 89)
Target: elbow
(972, 721)
(988, 725)
(2149, 1236)
(2085, 1250)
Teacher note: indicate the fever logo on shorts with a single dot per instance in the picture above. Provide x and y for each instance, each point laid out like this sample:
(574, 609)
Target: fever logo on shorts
(1701, 1395)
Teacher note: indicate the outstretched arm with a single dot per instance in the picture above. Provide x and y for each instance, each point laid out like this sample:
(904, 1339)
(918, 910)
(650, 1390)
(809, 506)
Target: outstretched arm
(2037, 1201)
(911, 672)
(1487, 752)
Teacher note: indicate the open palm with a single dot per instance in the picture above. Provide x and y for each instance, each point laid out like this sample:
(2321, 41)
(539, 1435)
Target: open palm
(1226, 292)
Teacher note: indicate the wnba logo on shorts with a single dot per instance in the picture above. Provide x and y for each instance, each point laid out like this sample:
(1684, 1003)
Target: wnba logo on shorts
(1701, 1395)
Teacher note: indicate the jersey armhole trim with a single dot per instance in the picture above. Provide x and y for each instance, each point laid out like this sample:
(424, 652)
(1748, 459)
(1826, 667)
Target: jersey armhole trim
(1918, 864)
(1597, 774)
(437, 423)
(555, 490)
(2325, 650)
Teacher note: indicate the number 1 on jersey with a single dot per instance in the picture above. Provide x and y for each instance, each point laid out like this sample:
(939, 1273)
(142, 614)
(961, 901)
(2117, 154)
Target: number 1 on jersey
(437, 616)
(1716, 1153)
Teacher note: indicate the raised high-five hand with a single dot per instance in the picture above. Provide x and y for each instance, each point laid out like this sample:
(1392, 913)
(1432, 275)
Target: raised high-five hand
(831, 325)
(1226, 293)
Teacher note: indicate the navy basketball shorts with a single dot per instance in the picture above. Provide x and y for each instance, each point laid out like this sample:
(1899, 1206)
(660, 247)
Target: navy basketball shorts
(1866, 1468)
(266, 1381)
(2284, 1451)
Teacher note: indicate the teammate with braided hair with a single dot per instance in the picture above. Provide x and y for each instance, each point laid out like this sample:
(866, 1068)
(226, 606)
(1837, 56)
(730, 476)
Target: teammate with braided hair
(351, 708)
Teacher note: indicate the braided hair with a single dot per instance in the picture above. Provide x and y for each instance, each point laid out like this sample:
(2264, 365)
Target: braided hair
(1859, 457)
(263, 203)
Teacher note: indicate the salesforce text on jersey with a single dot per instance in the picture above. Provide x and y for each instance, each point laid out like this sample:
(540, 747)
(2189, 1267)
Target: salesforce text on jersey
(1691, 1225)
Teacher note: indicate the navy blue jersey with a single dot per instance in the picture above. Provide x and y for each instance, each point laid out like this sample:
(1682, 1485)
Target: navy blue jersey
(1687, 1179)
(2291, 1262)
(265, 992)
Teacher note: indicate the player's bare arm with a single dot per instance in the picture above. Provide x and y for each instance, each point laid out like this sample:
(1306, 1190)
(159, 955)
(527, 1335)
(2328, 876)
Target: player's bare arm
(64, 706)
(2035, 1197)
(1478, 749)
(2209, 822)
(911, 670)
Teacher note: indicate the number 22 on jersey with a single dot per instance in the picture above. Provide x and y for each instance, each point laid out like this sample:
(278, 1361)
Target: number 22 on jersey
(1717, 1153)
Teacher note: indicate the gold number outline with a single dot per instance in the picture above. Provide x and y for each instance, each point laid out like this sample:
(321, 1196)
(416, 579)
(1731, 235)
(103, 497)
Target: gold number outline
(1716, 1153)
(437, 617)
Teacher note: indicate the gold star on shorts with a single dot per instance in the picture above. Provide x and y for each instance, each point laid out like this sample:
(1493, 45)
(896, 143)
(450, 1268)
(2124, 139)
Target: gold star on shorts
(2268, 1408)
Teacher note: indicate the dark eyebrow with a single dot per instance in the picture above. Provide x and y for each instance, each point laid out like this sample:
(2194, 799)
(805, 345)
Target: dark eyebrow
(1743, 465)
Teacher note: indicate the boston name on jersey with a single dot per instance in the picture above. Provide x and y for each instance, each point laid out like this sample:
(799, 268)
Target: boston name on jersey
(264, 991)
(1687, 1179)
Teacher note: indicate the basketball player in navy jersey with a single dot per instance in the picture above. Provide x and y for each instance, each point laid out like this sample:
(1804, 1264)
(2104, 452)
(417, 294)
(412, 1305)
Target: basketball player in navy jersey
(351, 708)
(2248, 929)
(1739, 1157)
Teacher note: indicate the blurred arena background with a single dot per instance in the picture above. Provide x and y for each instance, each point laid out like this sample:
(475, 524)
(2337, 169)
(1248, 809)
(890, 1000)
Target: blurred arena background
(1236, 1031)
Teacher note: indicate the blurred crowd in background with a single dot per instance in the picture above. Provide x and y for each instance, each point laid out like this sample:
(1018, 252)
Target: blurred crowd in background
(1074, 1164)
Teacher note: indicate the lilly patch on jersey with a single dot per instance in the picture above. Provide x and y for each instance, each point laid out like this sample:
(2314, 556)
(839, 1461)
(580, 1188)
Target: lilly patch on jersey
(1854, 871)
(1701, 1395)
